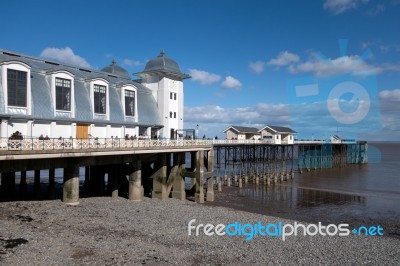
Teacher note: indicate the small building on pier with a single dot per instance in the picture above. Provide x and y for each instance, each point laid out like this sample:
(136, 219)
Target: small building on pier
(277, 134)
(241, 133)
(44, 97)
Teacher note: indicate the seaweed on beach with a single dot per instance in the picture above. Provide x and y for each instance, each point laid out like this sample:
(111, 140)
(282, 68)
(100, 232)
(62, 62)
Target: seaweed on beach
(7, 244)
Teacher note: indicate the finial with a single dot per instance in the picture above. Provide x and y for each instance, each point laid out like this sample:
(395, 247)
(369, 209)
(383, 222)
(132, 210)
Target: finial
(113, 62)
(162, 53)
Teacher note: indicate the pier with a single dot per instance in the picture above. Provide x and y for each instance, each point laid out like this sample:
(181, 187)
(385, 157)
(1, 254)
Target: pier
(158, 168)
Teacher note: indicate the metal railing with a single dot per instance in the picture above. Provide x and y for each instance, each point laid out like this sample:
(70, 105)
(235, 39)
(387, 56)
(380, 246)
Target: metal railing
(95, 143)
(34, 144)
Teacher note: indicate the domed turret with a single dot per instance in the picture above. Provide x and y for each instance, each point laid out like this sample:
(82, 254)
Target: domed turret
(162, 62)
(162, 66)
(116, 70)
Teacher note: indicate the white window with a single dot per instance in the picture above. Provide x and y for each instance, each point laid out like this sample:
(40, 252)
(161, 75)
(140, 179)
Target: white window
(99, 95)
(129, 101)
(100, 99)
(62, 89)
(63, 94)
(16, 83)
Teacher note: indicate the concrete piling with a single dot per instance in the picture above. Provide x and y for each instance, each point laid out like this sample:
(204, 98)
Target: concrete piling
(71, 185)
(178, 184)
(135, 190)
(22, 183)
(199, 195)
(51, 190)
(219, 183)
(160, 177)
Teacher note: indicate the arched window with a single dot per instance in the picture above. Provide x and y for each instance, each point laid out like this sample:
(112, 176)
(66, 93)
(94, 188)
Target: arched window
(62, 89)
(99, 94)
(16, 83)
(129, 100)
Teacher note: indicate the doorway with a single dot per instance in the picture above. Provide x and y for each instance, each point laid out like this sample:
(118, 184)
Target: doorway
(82, 131)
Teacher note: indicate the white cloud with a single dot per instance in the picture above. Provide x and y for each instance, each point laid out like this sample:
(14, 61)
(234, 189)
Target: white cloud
(379, 8)
(258, 114)
(283, 59)
(231, 83)
(391, 95)
(390, 112)
(203, 77)
(327, 67)
(131, 63)
(257, 67)
(64, 55)
(337, 7)
(308, 119)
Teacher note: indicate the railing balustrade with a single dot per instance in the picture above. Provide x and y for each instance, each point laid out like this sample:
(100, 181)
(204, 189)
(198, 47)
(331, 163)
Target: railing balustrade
(35, 144)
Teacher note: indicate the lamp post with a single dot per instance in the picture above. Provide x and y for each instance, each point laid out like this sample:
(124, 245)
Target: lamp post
(197, 130)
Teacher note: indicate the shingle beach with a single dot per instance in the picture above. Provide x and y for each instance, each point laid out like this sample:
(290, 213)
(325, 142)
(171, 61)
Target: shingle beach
(107, 231)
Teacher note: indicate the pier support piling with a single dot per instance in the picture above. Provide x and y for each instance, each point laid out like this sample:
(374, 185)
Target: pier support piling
(22, 184)
(178, 184)
(199, 195)
(51, 183)
(36, 185)
(136, 191)
(160, 189)
(71, 185)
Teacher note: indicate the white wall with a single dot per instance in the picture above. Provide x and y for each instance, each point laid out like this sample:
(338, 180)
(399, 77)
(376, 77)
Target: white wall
(64, 131)
(288, 138)
(41, 128)
(132, 131)
(115, 132)
(277, 139)
(18, 126)
(98, 131)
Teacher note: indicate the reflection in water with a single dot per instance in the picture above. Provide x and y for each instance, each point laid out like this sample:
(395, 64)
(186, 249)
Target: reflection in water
(287, 196)
(317, 198)
(358, 194)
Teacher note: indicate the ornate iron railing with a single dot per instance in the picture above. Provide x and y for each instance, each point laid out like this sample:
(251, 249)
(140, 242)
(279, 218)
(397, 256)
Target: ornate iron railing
(98, 143)
(116, 143)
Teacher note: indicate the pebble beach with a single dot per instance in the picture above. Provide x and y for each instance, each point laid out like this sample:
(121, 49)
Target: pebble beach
(116, 231)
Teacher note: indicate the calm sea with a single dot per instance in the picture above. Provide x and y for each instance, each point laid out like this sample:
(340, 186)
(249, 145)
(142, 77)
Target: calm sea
(358, 194)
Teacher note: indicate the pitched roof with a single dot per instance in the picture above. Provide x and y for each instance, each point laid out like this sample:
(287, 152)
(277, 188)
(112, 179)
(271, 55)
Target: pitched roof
(42, 103)
(278, 129)
(241, 129)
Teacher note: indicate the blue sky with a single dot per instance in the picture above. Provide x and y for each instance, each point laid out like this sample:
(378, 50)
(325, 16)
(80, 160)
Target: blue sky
(248, 59)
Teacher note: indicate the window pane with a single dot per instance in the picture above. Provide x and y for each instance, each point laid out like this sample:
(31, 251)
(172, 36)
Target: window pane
(100, 100)
(17, 87)
(129, 103)
(63, 94)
